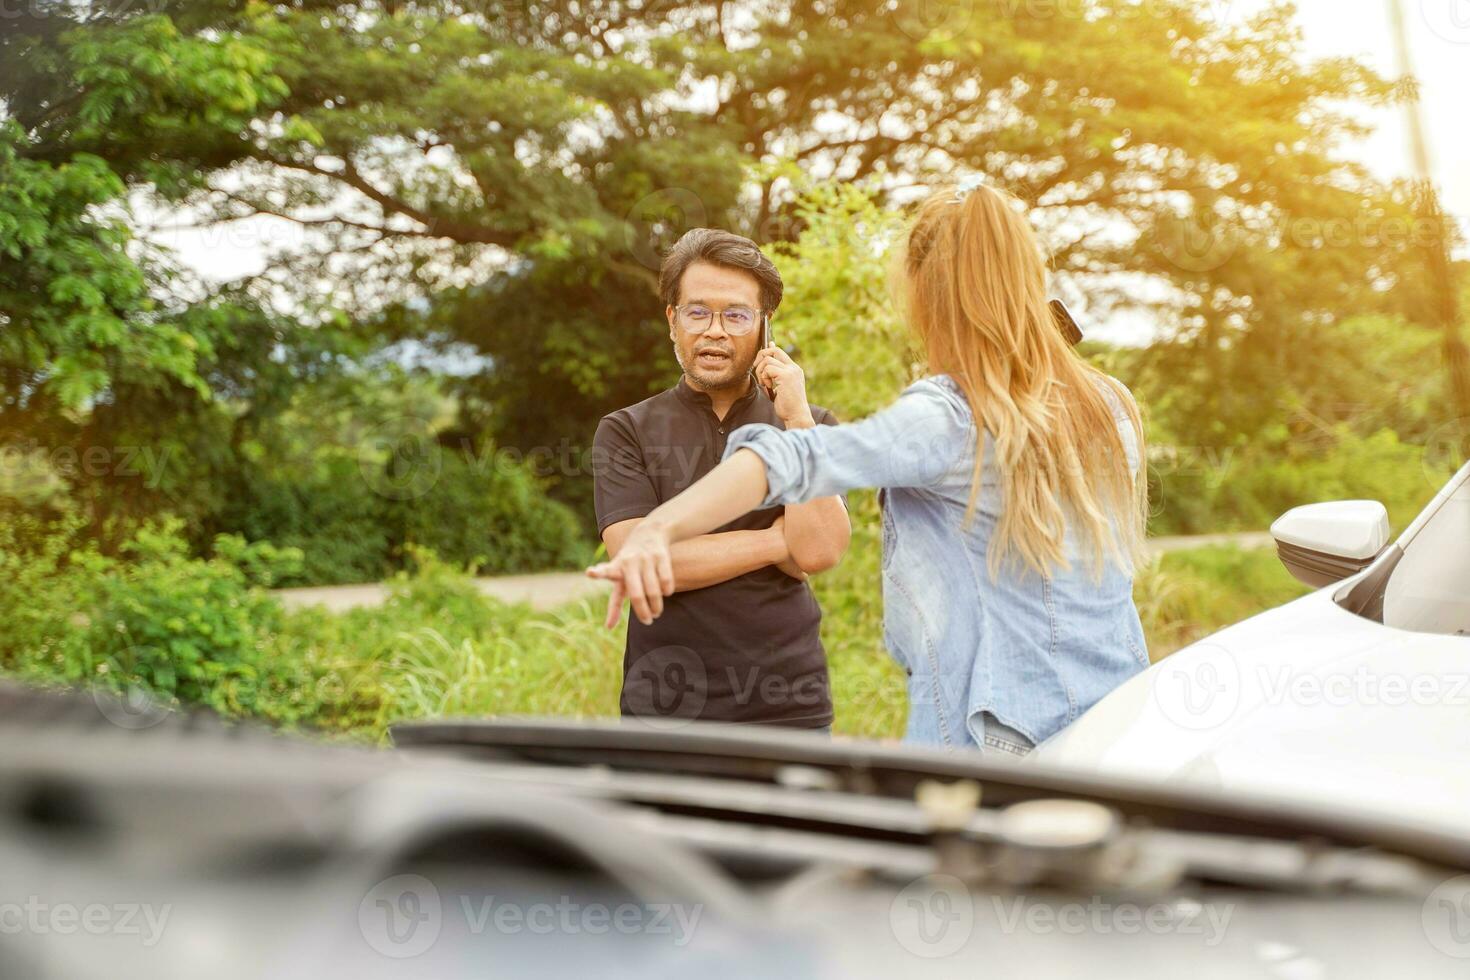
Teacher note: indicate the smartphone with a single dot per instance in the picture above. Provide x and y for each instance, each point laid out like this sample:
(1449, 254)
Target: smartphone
(1069, 327)
(766, 342)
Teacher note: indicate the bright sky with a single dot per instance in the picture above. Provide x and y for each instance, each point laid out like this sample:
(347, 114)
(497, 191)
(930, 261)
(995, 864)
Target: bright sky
(1439, 34)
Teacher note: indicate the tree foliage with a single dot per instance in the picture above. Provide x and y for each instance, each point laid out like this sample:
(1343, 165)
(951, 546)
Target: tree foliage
(500, 178)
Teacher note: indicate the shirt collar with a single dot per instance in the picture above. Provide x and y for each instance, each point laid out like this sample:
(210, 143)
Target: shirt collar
(695, 398)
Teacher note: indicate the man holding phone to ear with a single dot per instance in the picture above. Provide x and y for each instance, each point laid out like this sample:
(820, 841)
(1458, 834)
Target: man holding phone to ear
(739, 638)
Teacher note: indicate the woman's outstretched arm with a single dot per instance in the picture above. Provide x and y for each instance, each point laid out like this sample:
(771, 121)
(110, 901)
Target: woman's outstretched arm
(643, 572)
(913, 442)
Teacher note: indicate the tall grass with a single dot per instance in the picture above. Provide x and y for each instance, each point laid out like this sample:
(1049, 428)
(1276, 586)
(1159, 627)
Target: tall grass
(439, 648)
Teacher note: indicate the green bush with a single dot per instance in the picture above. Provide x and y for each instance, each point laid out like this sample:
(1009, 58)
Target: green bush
(191, 631)
(1199, 492)
(359, 471)
(40, 585)
(330, 515)
(492, 516)
(203, 632)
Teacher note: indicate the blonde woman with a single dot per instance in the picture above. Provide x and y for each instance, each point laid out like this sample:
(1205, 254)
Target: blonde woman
(1012, 491)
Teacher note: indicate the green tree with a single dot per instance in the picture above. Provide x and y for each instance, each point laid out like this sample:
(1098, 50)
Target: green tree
(503, 176)
(423, 144)
(86, 109)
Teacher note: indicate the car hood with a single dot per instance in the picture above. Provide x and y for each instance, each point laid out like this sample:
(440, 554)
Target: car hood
(1307, 702)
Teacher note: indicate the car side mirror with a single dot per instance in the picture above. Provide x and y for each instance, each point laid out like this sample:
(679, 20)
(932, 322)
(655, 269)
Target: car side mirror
(1325, 543)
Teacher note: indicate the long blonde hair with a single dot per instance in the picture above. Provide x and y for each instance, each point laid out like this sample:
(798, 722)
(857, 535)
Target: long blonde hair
(972, 281)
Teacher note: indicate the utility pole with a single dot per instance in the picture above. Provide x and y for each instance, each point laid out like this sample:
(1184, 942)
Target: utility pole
(1444, 303)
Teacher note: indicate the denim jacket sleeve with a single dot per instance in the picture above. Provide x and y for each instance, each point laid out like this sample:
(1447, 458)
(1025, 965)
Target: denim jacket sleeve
(912, 443)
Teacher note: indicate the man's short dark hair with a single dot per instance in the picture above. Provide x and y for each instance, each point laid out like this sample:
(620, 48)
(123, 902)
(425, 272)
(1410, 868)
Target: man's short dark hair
(724, 249)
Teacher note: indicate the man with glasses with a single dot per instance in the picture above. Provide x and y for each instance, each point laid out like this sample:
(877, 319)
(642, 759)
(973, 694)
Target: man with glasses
(738, 640)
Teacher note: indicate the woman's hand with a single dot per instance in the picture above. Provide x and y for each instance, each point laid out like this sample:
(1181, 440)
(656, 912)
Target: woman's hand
(643, 573)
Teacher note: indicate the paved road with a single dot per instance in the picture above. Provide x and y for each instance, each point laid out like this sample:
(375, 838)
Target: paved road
(1253, 539)
(544, 591)
(552, 589)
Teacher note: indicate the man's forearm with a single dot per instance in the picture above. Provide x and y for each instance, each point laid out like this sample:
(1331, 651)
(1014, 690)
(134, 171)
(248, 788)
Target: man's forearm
(714, 558)
(817, 533)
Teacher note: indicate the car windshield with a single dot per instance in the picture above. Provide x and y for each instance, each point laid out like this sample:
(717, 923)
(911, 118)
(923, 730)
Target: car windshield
(1429, 589)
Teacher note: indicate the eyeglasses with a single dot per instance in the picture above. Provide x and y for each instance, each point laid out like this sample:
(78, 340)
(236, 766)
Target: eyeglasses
(737, 320)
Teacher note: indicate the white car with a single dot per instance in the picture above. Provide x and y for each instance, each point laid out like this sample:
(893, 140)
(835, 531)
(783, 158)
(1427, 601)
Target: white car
(1357, 695)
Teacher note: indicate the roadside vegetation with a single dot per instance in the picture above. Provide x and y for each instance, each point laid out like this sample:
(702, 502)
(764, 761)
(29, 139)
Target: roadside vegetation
(407, 387)
(207, 632)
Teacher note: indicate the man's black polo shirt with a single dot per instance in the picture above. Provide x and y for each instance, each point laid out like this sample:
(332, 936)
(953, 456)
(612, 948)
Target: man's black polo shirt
(746, 650)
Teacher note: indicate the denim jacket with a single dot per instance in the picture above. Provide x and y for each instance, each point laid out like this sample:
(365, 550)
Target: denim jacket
(1034, 652)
